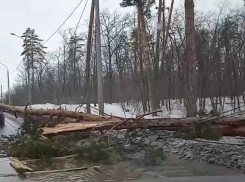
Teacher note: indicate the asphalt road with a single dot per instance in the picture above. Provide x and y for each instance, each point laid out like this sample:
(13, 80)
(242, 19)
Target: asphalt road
(198, 179)
(11, 124)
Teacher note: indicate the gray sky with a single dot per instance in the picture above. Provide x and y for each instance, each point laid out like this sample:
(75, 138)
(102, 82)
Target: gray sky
(45, 16)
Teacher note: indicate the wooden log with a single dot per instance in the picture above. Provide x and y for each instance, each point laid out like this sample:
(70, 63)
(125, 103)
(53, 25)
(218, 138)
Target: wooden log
(60, 170)
(29, 161)
(227, 126)
(19, 166)
(56, 171)
(54, 112)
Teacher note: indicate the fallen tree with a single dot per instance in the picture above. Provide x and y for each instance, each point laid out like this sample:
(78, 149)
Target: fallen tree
(53, 112)
(228, 126)
(90, 122)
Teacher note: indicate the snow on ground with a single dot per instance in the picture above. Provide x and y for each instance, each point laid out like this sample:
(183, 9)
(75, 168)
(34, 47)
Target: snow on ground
(111, 109)
(131, 109)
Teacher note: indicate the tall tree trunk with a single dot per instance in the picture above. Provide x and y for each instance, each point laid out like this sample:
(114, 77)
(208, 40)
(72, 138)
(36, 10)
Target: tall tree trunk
(190, 58)
(157, 56)
(169, 21)
(143, 84)
(88, 56)
(165, 35)
(146, 52)
(135, 48)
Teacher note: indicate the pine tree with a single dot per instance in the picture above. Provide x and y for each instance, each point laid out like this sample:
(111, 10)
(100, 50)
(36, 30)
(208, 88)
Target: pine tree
(146, 4)
(33, 53)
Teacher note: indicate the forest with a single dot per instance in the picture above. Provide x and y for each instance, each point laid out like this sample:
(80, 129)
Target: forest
(151, 55)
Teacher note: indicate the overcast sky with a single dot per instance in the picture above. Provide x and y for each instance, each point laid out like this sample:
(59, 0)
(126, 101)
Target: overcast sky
(45, 16)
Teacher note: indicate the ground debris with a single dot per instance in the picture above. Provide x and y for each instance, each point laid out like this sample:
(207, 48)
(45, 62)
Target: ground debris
(19, 166)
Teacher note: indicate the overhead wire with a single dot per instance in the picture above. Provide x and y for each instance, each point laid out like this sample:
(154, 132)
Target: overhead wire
(60, 27)
(80, 17)
(86, 86)
(63, 22)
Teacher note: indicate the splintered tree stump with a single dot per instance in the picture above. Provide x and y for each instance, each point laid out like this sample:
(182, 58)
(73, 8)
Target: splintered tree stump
(19, 166)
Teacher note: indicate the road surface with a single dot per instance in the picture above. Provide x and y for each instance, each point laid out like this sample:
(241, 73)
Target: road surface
(11, 124)
(198, 179)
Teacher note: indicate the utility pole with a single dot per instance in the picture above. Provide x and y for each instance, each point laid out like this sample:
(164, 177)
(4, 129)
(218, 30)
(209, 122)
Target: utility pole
(8, 82)
(98, 58)
(1, 91)
(8, 86)
(88, 56)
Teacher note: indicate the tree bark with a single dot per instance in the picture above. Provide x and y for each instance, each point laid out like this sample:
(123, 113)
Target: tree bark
(190, 58)
(228, 126)
(157, 56)
(146, 53)
(165, 35)
(143, 84)
(168, 25)
(54, 112)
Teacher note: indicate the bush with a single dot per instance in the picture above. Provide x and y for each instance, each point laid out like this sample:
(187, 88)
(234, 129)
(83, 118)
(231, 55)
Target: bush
(35, 148)
(96, 150)
(28, 142)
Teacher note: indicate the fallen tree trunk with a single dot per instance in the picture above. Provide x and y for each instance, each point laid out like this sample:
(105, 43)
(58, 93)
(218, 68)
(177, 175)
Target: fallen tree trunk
(228, 126)
(62, 170)
(56, 171)
(63, 158)
(54, 112)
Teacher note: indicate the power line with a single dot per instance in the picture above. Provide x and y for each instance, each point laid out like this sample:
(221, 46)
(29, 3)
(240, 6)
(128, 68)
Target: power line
(61, 26)
(86, 86)
(64, 22)
(80, 17)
